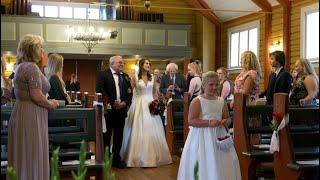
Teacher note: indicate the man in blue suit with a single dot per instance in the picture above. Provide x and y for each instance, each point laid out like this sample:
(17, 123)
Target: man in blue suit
(279, 80)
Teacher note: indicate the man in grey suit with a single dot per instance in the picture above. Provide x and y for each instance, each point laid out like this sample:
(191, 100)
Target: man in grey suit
(173, 83)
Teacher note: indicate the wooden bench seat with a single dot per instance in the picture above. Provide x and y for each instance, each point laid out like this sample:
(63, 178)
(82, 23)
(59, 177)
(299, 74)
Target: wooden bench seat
(298, 141)
(85, 125)
(174, 127)
(252, 158)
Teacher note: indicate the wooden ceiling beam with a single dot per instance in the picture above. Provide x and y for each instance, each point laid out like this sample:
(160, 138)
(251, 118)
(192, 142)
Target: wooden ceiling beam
(208, 14)
(284, 3)
(263, 4)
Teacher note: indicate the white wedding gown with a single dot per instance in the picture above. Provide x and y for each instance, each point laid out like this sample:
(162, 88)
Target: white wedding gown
(144, 143)
(214, 164)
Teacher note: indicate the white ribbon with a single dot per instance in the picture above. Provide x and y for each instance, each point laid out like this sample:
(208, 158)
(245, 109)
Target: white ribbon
(165, 112)
(274, 144)
(104, 127)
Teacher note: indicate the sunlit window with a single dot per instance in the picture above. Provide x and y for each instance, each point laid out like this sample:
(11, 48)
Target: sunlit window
(80, 13)
(242, 39)
(65, 12)
(93, 13)
(310, 32)
(37, 9)
(51, 11)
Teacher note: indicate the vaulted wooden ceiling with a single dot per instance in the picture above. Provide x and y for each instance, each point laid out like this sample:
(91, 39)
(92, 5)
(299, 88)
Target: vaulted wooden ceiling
(230, 9)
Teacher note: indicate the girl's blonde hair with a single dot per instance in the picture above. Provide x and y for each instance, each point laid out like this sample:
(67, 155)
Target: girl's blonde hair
(250, 62)
(206, 77)
(55, 67)
(28, 49)
(196, 67)
(308, 68)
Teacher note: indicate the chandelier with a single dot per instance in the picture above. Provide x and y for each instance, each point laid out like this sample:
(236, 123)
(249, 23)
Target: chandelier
(88, 36)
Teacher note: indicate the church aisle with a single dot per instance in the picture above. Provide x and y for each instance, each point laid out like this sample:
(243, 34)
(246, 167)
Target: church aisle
(168, 172)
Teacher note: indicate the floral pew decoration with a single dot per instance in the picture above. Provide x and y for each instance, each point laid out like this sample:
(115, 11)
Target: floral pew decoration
(278, 123)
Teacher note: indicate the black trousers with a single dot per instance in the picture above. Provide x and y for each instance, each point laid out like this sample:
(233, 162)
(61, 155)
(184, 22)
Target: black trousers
(115, 120)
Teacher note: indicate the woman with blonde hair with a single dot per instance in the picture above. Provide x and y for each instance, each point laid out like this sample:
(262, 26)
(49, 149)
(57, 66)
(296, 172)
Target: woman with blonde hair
(195, 83)
(58, 87)
(247, 82)
(306, 86)
(28, 142)
(208, 119)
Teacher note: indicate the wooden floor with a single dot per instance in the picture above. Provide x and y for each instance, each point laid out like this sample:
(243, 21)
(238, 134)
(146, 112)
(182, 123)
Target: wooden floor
(167, 172)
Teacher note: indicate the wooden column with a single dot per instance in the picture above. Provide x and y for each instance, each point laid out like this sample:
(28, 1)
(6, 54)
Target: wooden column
(212, 17)
(217, 60)
(267, 67)
(286, 5)
(266, 6)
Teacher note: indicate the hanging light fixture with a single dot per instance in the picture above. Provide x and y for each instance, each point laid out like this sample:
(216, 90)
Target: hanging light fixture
(88, 36)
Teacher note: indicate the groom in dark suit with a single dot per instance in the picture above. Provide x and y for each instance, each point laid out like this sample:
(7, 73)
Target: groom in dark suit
(279, 80)
(115, 84)
(172, 82)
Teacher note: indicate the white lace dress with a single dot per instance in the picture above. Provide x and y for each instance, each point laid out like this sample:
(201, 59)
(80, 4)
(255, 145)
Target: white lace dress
(144, 143)
(214, 164)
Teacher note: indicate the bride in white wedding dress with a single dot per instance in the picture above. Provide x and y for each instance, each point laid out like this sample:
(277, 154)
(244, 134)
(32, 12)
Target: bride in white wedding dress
(144, 143)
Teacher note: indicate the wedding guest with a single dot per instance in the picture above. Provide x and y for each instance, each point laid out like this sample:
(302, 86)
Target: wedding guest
(157, 77)
(144, 143)
(279, 80)
(11, 77)
(5, 84)
(73, 84)
(28, 143)
(195, 83)
(58, 87)
(226, 86)
(306, 86)
(115, 84)
(172, 83)
(247, 82)
(208, 118)
(188, 76)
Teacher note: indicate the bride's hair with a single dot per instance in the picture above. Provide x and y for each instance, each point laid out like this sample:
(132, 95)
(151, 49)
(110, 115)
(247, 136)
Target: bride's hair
(141, 63)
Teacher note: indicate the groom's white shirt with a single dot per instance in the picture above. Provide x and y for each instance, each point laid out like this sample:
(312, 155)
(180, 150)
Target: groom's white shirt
(116, 80)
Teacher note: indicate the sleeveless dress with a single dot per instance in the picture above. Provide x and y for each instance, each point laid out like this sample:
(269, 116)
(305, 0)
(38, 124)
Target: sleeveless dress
(28, 150)
(299, 91)
(214, 164)
(144, 143)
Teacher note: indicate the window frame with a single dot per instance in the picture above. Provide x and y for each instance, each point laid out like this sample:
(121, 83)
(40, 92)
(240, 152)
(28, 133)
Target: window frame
(73, 5)
(303, 23)
(238, 29)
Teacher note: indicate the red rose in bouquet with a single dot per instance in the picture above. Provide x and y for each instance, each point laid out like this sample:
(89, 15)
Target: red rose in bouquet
(105, 100)
(277, 118)
(157, 107)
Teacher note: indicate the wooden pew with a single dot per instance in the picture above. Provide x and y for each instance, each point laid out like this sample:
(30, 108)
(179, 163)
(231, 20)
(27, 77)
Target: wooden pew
(299, 140)
(87, 127)
(186, 99)
(177, 128)
(251, 158)
(174, 127)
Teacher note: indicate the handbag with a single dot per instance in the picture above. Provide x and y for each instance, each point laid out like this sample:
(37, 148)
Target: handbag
(225, 143)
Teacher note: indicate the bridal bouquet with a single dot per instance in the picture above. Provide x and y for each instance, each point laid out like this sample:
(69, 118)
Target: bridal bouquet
(157, 107)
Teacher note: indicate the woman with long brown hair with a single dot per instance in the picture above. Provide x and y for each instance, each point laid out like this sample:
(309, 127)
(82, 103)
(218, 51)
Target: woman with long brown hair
(144, 143)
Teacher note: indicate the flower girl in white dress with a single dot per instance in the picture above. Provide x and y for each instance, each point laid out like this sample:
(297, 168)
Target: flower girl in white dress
(144, 143)
(208, 118)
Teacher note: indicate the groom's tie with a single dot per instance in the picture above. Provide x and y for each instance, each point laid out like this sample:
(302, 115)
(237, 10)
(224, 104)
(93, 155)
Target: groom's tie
(120, 81)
